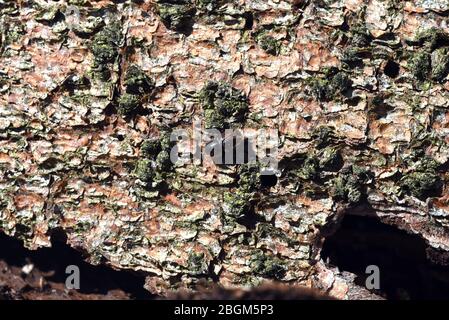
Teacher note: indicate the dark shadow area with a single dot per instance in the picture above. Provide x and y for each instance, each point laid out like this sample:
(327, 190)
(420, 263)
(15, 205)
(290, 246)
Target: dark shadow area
(249, 21)
(268, 180)
(392, 69)
(378, 108)
(250, 219)
(405, 270)
(51, 263)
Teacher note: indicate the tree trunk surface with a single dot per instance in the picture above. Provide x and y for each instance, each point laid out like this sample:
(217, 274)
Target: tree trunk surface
(90, 92)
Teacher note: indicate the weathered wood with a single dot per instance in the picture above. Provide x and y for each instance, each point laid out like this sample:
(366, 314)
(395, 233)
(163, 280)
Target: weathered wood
(90, 91)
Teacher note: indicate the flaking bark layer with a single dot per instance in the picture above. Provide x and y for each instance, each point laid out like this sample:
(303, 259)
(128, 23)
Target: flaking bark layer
(357, 89)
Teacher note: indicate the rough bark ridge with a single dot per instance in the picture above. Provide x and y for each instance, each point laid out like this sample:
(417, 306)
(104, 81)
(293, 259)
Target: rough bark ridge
(89, 91)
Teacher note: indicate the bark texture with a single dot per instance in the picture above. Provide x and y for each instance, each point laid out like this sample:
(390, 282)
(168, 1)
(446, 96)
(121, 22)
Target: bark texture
(90, 90)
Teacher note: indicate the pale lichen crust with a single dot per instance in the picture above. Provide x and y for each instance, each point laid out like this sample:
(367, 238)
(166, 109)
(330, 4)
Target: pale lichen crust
(91, 90)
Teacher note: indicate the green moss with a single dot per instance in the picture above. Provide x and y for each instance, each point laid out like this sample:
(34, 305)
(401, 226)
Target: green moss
(150, 148)
(207, 95)
(238, 203)
(13, 33)
(196, 262)
(314, 190)
(83, 226)
(362, 173)
(352, 56)
(267, 266)
(323, 135)
(88, 27)
(104, 52)
(101, 72)
(433, 38)
(426, 163)
(267, 230)
(213, 119)
(360, 37)
(78, 2)
(349, 185)
(249, 174)
(158, 150)
(164, 139)
(330, 159)
(222, 104)
(346, 188)
(105, 48)
(309, 169)
(321, 89)
(432, 61)
(419, 65)
(230, 103)
(48, 14)
(208, 5)
(422, 184)
(106, 43)
(326, 89)
(340, 83)
(354, 193)
(440, 64)
(137, 82)
(128, 103)
(163, 162)
(423, 181)
(143, 170)
(176, 15)
(269, 44)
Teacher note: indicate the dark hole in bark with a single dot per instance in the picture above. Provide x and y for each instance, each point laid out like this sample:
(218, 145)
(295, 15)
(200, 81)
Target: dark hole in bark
(378, 108)
(389, 36)
(51, 264)
(405, 270)
(250, 219)
(268, 180)
(249, 21)
(391, 69)
(345, 26)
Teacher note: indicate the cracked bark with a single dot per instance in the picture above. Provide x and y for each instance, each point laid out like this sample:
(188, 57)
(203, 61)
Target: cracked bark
(357, 90)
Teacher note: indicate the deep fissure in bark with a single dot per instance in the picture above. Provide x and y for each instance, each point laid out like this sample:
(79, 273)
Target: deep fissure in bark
(406, 272)
(51, 263)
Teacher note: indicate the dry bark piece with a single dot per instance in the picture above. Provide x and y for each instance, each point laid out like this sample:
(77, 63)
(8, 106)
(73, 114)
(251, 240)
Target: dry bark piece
(358, 91)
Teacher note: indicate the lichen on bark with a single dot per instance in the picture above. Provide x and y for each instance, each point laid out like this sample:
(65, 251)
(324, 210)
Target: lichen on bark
(357, 90)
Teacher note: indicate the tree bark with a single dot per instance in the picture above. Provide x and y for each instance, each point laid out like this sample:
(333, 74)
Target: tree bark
(90, 90)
